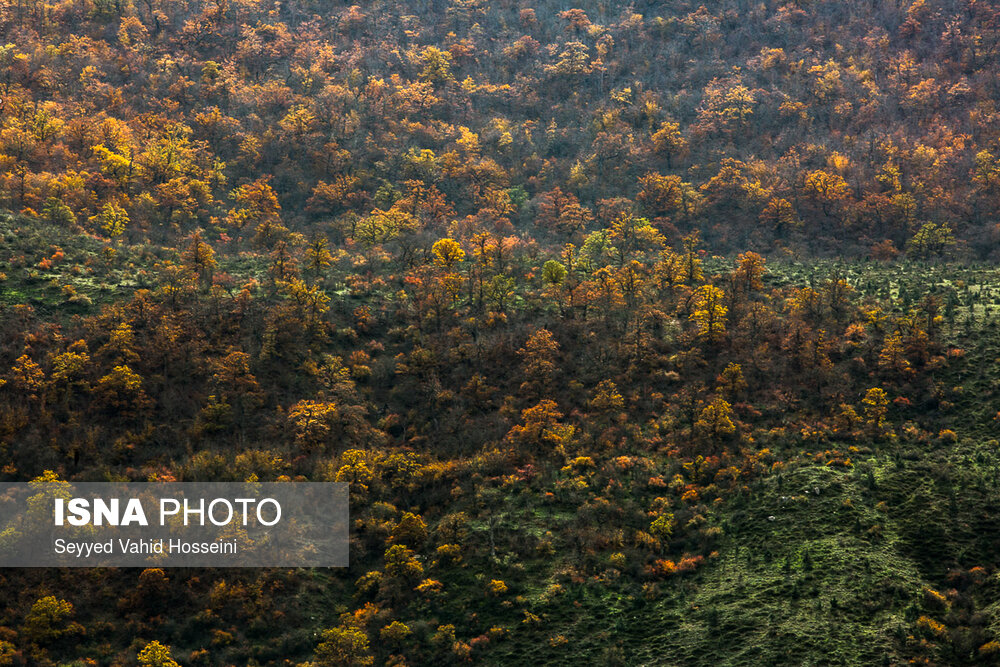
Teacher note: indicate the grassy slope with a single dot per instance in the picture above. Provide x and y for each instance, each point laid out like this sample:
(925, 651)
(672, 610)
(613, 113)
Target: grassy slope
(875, 536)
(762, 600)
(836, 577)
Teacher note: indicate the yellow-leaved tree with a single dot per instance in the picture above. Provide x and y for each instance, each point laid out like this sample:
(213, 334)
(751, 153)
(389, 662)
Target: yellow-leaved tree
(876, 407)
(716, 418)
(709, 312)
(156, 655)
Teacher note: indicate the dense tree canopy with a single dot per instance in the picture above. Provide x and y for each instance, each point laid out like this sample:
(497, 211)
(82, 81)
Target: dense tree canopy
(551, 288)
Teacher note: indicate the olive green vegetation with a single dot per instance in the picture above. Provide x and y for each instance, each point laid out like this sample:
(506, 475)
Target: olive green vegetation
(818, 566)
(823, 565)
(888, 558)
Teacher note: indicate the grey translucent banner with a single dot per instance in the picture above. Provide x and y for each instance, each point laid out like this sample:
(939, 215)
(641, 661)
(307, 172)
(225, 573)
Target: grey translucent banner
(176, 524)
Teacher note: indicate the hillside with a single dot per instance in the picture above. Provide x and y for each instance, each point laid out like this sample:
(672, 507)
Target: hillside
(654, 334)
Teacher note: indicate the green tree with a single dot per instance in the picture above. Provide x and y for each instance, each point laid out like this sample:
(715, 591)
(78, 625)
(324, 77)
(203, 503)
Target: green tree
(344, 647)
(553, 272)
(57, 212)
(436, 64)
(49, 619)
(931, 240)
(112, 219)
(662, 526)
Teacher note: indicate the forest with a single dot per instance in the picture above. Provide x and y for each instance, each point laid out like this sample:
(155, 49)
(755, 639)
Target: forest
(646, 334)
